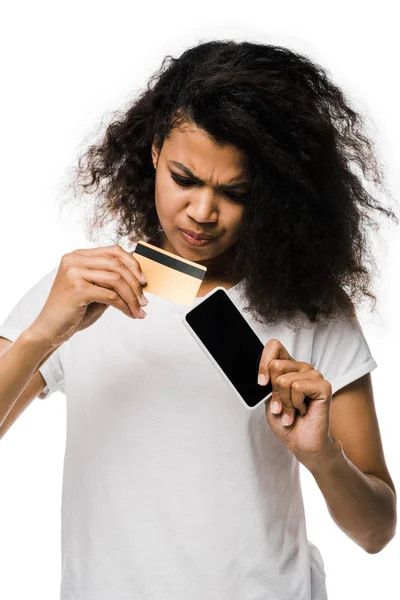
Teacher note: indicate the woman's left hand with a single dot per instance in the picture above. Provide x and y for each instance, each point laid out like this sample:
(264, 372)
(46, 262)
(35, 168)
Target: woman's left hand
(304, 398)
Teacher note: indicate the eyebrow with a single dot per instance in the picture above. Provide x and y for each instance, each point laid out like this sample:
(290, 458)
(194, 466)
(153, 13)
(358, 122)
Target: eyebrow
(198, 180)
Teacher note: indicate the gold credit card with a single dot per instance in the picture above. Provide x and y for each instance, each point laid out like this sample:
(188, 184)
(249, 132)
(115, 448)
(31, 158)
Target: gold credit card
(168, 275)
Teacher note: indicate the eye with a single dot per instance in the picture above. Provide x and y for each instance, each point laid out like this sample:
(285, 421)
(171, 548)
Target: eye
(236, 197)
(182, 181)
(185, 182)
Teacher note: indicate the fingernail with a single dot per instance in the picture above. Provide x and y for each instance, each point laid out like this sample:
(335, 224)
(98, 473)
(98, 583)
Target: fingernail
(275, 407)
(142, 312)
(261, 379)
(143, 300)
(286, 419)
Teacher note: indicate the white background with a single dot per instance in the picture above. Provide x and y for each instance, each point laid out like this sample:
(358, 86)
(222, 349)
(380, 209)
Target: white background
(65, 66)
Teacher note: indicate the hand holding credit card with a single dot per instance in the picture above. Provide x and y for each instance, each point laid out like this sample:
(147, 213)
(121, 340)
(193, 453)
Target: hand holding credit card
(168, 275)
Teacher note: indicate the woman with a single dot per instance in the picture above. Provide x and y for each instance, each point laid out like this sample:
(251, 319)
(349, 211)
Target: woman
(171, 488)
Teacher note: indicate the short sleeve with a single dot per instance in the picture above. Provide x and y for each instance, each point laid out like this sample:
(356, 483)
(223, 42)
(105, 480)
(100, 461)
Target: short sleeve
(21, 317)
(341, 352)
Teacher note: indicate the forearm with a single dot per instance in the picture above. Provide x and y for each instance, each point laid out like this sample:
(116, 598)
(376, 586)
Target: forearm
(18, 363)
(362, 506)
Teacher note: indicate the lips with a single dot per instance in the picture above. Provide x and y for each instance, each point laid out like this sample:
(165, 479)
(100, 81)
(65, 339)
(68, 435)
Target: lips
(193, 242)
(198, 235)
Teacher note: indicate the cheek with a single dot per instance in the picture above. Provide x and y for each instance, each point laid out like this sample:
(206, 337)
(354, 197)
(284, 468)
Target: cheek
(235, 219)
(165, 198)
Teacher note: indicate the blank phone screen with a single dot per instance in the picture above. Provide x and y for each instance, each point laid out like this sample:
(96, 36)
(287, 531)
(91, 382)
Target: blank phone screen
(232, 343)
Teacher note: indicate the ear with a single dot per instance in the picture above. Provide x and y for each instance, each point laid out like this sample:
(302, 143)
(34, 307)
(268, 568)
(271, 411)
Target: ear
(154, 152)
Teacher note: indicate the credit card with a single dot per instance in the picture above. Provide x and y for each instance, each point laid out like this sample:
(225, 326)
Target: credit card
(168, 275)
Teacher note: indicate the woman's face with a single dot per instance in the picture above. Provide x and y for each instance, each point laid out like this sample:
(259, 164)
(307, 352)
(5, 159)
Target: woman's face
(200, 206)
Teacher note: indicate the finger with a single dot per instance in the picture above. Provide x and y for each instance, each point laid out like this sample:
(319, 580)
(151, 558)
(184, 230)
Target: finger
(280, 366)
(288, 413)
(114, 264)
(272, 349)
(94, 292)
(315, 388)
(103, 295)
(277, 367)
(133, 294)
(113, 281)
(288, 386)
(118, 252)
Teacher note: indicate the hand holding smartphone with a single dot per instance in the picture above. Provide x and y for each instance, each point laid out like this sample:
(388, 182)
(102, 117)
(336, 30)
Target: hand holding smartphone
(231, 345)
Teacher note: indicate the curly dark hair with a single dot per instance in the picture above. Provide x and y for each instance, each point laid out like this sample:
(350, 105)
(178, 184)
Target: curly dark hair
(303, 245)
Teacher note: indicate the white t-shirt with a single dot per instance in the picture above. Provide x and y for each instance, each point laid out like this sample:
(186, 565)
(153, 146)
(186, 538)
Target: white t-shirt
(172, 489)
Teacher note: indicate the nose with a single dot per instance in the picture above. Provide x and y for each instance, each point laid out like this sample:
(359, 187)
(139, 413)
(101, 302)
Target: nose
(203, 207)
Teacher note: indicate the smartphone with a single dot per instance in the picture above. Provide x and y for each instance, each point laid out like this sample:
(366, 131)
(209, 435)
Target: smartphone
(231, 345)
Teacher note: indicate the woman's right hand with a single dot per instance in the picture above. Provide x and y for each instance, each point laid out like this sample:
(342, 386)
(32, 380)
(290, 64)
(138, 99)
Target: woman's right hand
(88, 281)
